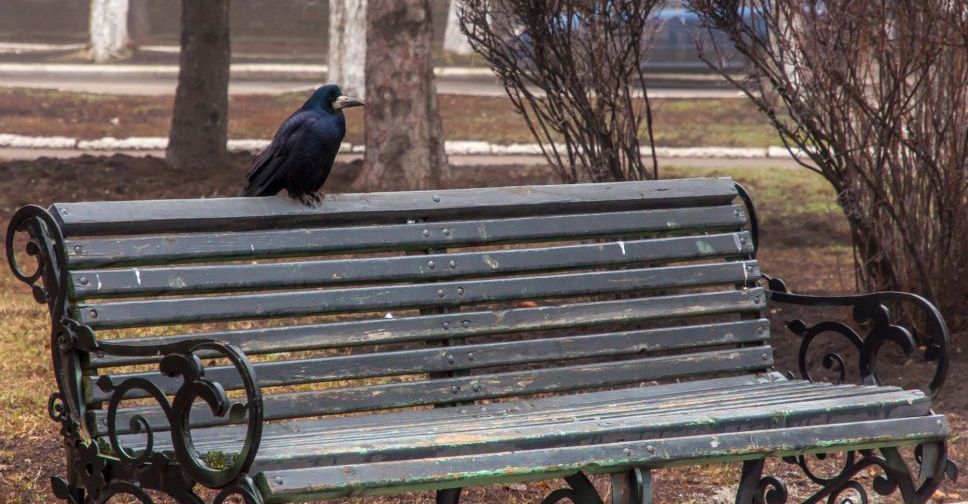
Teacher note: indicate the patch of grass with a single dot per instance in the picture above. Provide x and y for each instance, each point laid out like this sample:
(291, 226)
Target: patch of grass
(780, 191)
(678, 122)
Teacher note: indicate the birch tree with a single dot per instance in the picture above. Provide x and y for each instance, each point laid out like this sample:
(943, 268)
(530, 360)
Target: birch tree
(108, 27)
(454, 40)
(347, 45)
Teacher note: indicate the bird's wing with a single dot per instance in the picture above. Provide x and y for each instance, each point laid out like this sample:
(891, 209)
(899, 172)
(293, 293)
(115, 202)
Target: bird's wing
(265, 177)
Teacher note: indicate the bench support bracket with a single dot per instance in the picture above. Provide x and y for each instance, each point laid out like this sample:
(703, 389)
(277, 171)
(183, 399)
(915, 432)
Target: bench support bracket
(632, 487)
(842, 487)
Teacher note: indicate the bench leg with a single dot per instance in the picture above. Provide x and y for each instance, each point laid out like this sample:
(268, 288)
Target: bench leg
(448, 496)
(632, 487)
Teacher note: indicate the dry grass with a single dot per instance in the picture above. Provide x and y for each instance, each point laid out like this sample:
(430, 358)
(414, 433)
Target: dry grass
(679, 123)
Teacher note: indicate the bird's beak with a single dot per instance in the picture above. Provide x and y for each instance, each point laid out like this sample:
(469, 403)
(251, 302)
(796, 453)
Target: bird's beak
(344, 101)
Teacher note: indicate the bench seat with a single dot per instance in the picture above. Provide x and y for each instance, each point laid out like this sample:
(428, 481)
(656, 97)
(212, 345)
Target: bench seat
(323, 482)
(420, 440)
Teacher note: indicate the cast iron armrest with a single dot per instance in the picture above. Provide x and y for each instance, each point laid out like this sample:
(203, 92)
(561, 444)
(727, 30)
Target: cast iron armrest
(71, 342)
(871, 311)
(180, 360)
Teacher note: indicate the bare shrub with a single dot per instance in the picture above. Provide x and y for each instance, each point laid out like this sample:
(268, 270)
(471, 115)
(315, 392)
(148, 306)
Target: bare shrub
(872, 95)
(573, 70)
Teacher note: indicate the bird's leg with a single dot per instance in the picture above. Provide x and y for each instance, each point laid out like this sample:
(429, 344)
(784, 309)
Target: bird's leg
(311, 199)
(316, 197)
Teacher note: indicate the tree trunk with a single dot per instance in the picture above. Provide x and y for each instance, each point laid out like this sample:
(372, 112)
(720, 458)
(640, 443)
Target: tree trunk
(199, 121)
(108, 26)
(404, 141)
(454, 39)
(347, 45)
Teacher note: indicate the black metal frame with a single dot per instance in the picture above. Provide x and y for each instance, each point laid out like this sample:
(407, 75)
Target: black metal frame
(870, 311)
(96, 473)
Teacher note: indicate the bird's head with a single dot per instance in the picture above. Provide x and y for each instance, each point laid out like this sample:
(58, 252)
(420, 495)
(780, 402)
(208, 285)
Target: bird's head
(331, 98)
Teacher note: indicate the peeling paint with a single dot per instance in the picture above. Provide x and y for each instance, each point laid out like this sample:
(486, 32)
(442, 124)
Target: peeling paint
(491, 262)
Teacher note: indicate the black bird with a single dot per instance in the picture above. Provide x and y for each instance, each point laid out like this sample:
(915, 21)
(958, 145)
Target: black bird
(301, 154)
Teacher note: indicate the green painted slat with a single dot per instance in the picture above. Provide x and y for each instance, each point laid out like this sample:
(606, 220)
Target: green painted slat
(220, 245)
(427, 295)
(516, 383)
(472, 470)
(237, 214)
(722, 417)
(547, 407)
(442, 266)
(386, 435)
(453, 358)
(462, 324)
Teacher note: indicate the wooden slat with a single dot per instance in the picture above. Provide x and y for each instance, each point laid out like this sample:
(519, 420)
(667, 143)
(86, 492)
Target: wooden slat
(733, 413)
(469, 388)
(154, 249)
(380, 437)
(468, 470)
(429, 360)
(455, 293)
(237, 214)
(554, 406)
(463, 324)
(213, 278)
(602, 406)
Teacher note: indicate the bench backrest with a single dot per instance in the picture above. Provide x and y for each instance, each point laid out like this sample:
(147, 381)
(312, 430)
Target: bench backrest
(387, 300)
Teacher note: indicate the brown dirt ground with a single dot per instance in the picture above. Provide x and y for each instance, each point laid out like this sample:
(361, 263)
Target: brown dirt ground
(27, 458)
(678, 123)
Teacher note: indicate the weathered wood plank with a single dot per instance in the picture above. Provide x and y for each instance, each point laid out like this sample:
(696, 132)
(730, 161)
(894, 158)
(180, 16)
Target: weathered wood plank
(773, 413)
(445, 390)
(454, 293)
(430, 360)
(644, 416)
(547, 407)
(602, 407)
(441, 266)
(220, 245)
(410, 475)
(463, 324)
(238, 214)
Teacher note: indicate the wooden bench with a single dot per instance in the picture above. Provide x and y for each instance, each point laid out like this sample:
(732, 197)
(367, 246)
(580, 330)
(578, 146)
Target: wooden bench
(391, 342)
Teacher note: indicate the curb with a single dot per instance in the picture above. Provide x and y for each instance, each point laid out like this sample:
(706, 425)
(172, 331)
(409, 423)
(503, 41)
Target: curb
(452, 147)
(237, 69)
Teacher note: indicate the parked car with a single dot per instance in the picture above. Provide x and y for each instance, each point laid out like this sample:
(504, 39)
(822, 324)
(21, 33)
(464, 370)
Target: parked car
(674, 48)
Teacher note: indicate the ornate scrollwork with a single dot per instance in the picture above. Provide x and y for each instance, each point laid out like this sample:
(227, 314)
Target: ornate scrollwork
(844, 487)
(46, 244)
(580, 491)
(175, 472)
(770, 490)
(870, 310)
(182, 362)
(244, 488)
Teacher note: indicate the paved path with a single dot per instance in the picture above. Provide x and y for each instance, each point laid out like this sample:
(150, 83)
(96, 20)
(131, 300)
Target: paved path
(272, 78)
